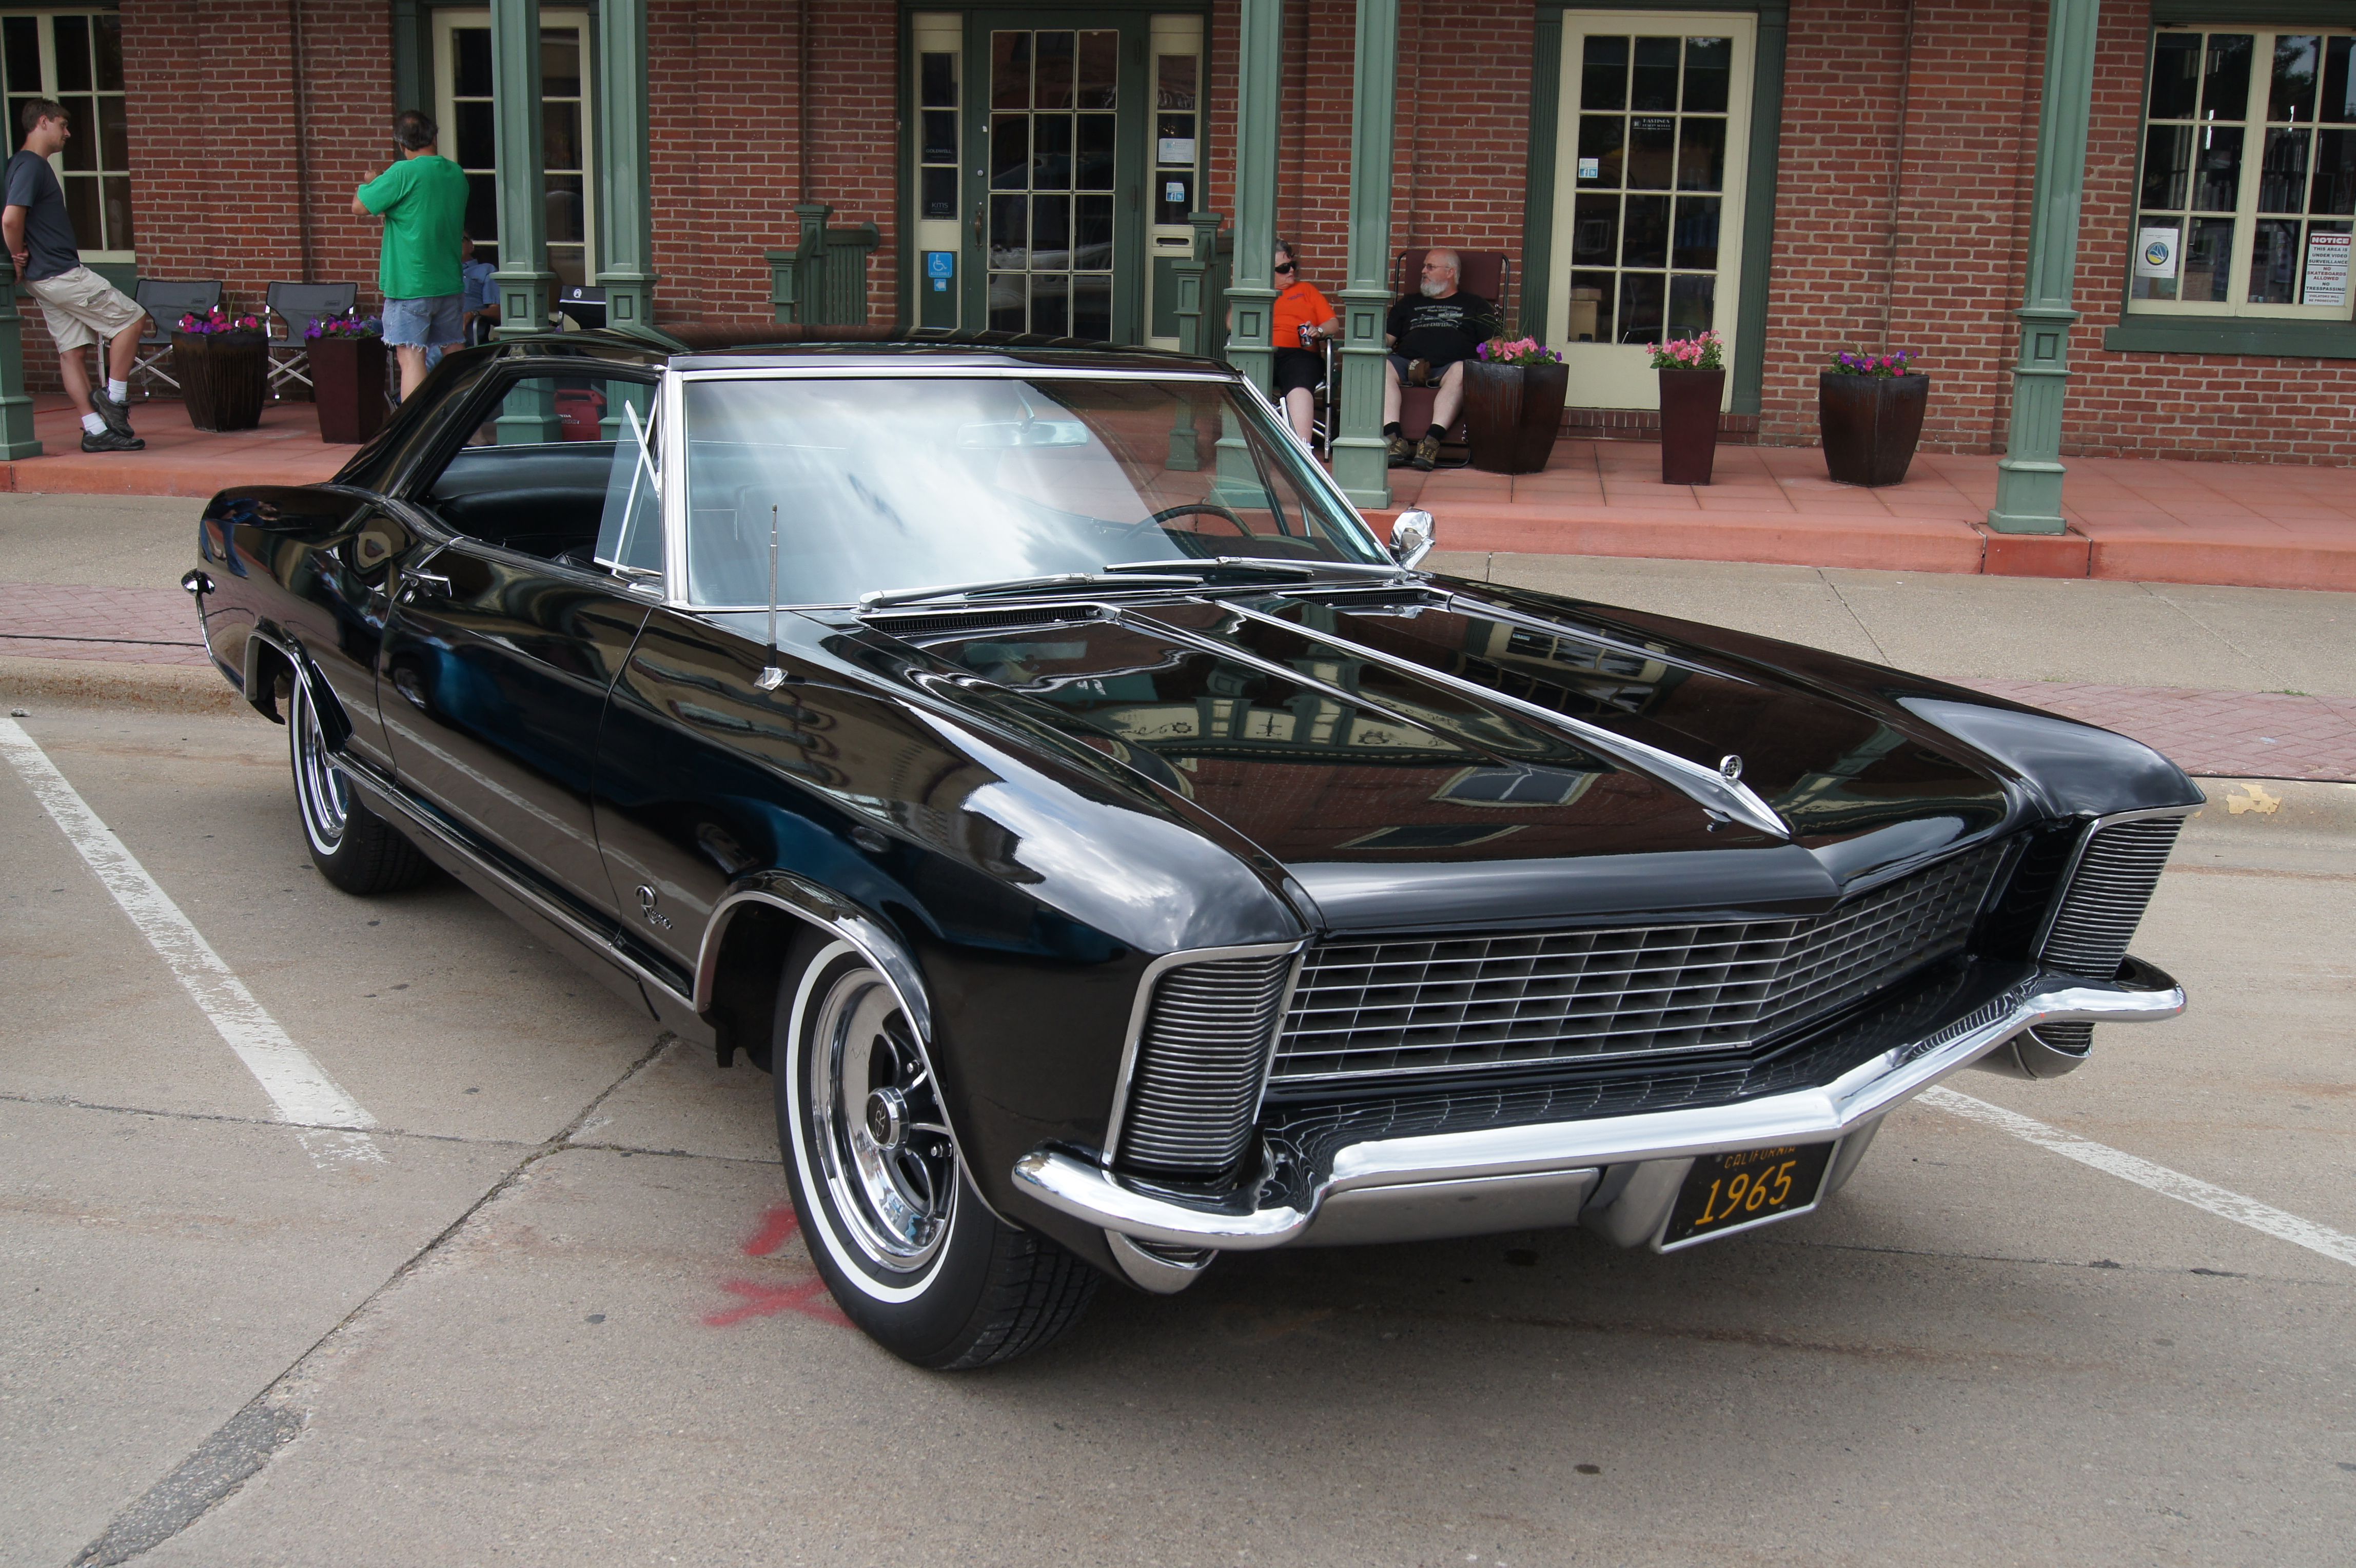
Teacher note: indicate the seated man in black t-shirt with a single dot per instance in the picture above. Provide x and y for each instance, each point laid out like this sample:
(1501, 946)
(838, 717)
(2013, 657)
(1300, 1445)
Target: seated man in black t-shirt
(1439, 326)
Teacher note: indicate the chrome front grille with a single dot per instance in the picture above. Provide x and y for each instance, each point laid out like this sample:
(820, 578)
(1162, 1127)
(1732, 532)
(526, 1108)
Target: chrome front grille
(2108, 890)
(1201, 1056)
(1404, 1004)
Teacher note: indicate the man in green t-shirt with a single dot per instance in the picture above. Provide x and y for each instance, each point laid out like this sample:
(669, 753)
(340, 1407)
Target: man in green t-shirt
(422, 200)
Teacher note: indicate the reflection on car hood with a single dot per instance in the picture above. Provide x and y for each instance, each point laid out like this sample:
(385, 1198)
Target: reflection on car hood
(1453, 752)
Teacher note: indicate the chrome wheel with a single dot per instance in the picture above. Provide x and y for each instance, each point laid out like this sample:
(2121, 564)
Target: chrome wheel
(326, 798)
(883, 1146)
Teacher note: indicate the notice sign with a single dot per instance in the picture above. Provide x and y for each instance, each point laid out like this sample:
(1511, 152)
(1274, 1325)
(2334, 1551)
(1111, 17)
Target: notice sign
(940, 266)
(2156, 253)
(1175, 150)
(1590, 168)
(2327, 269)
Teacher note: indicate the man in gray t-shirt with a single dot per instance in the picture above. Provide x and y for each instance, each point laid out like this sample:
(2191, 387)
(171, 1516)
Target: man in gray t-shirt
(80, 307)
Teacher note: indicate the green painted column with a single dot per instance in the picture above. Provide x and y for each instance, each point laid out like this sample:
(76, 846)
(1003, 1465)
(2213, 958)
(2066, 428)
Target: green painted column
(624, 187)
(1259, 63)
(1359, 467)
(2028, 477)
(15, 408)
(524, 278)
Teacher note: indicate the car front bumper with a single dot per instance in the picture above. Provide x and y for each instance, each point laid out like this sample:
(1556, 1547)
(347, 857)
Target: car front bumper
(1619, 1173)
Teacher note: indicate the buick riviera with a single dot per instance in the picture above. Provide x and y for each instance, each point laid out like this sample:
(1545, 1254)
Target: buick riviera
(1116, 854)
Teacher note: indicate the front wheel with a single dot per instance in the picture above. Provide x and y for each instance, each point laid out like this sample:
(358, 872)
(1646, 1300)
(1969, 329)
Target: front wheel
(894, 1225)
(353, 847)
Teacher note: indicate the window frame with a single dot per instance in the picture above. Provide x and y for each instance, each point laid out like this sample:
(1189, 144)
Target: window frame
(441, 66)
(46, 16)
(2246, 216)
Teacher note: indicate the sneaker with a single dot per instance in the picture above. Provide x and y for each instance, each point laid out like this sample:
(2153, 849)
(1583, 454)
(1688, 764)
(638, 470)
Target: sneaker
(117, 415)
(111, 441)
(1427, 453)
(1398, 450)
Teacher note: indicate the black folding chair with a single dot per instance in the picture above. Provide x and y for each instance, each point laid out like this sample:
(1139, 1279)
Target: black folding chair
(295, 305)
(165, 300)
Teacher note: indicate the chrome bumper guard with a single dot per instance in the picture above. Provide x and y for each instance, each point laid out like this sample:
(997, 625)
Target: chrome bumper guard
(1484, 1180)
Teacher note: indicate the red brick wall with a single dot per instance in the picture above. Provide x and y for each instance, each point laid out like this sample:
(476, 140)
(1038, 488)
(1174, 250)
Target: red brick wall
(1927, 256)
(2211, 406)
(1961, 236)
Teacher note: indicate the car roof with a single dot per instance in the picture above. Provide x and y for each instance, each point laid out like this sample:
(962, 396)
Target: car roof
(976, 350)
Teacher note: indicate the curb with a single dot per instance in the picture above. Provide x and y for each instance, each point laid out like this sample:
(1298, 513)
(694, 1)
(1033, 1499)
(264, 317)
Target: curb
(92, 683)
(2276, 805)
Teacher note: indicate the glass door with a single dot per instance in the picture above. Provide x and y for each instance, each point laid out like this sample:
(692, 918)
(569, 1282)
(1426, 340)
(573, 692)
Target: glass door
(1054, 125)
(1648, 196)
(462, 59)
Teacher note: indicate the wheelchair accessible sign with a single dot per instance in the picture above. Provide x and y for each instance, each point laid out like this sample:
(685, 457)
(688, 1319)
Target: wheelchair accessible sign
(940, 266)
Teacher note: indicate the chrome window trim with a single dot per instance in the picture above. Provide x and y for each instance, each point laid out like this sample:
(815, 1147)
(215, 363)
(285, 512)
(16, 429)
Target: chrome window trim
(951, 372)
(673, 480)
(1142, 1004)
(2078, 854)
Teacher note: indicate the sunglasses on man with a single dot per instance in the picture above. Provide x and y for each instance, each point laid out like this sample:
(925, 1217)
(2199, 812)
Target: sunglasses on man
(1284, 266)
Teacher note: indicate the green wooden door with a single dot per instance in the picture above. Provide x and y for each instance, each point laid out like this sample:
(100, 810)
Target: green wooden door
(1055, 113)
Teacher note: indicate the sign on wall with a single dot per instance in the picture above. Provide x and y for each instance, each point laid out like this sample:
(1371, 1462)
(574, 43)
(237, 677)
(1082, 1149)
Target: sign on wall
(2327, 269)
(2156, 253)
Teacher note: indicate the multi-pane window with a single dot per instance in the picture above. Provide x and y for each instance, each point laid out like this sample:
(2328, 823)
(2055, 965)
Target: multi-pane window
(2248, 190)
(937, 141)
(76, 57)
(1652, 151)
(1052, 102)
(469, 135)
(1175, 108)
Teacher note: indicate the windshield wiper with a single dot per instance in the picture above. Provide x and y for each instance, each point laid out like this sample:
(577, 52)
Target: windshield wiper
(1049, 582)
(1255, 564)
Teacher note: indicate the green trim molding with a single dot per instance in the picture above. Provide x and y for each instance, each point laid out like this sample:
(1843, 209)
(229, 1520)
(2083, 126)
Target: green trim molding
(1758, 189)
(2291, 339)
(2212, 14)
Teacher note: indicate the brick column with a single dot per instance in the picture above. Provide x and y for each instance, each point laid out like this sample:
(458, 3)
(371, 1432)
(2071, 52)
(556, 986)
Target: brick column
(2028, 477)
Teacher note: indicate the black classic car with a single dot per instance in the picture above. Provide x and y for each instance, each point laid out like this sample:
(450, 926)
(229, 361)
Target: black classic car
(1117, 855)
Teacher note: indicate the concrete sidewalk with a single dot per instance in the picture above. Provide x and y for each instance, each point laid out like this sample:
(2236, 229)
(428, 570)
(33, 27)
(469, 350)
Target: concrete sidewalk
(2229, 682)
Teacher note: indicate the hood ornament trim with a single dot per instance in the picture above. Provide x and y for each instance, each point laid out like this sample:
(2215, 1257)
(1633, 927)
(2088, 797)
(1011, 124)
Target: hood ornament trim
(1707, 787)
(1729, 768)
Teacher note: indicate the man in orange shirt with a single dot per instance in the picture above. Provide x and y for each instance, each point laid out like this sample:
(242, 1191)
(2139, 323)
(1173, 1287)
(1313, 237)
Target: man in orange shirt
(1301, 320)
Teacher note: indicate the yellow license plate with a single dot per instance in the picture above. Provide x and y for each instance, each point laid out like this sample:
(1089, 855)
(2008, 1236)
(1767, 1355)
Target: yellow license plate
(1727, 1192)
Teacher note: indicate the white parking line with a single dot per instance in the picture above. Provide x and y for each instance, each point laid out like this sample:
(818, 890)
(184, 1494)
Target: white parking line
(2199, 1194)
(298, 1085)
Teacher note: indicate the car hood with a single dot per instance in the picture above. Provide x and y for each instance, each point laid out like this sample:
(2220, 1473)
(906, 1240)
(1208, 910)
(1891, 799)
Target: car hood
(1451, 753)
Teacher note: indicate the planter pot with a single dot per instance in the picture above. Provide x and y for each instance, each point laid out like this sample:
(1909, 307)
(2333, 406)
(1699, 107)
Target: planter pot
(348, 380)
(1514, 413)
(1689, 404)
(1871, 425)
(223, 375)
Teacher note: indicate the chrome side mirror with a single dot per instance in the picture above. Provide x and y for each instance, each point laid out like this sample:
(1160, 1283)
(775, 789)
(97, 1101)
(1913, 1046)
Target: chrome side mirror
(1412, 538)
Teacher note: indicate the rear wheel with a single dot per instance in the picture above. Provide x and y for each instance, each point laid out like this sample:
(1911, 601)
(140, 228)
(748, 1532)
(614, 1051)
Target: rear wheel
(353, 847)
(897, 1231)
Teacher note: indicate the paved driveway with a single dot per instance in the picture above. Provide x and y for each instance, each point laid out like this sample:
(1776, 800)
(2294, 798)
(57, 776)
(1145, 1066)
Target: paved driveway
(550, 1308)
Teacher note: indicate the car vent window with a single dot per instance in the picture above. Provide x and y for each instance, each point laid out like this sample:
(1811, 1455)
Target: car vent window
(631, 533)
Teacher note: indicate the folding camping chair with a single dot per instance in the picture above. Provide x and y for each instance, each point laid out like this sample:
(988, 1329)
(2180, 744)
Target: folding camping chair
(1485, 272)
(165, 300)
(295, 305)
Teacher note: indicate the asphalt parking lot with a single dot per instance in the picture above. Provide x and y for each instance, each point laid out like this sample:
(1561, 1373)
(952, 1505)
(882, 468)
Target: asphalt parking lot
(548, 1307)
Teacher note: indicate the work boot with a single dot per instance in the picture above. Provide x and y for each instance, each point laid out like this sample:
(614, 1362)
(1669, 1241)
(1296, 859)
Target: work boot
(117, 415)
(111, 440)
(1427, 453)
(1397, 451)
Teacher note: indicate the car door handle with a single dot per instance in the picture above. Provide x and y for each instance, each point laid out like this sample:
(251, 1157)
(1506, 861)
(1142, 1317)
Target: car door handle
(413, 581)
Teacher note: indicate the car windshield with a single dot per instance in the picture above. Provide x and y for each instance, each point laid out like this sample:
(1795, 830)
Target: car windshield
(892, 484)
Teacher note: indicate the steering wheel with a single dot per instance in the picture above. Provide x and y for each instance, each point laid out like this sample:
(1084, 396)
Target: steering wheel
(1182, 509)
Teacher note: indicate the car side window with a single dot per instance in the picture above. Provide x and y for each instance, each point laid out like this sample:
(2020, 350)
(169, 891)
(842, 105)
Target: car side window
(537, 474)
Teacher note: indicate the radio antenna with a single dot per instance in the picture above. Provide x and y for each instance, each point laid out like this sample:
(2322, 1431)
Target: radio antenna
(772, 676)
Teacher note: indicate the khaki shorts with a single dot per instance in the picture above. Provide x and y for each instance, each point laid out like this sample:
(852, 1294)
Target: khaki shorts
(82, 307)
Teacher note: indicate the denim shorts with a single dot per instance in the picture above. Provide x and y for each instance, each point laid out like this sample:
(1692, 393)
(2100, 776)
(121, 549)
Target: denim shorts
(433, 323)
